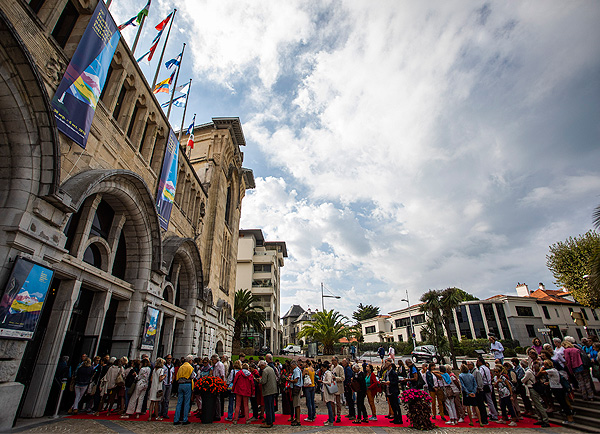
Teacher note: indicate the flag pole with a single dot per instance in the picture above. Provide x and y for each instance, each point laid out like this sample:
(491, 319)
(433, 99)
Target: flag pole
(185, 109)
(108, 2)
(163, 50)
(175, 84)
(137, 35)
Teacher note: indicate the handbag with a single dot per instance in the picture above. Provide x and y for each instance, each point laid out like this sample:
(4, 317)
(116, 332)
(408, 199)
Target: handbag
(119, 381)
(332, 389)
(159, 393)
(91, 390)
(307, 381)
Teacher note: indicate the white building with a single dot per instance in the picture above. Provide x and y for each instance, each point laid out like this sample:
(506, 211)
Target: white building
(258, 269)
(377, 329)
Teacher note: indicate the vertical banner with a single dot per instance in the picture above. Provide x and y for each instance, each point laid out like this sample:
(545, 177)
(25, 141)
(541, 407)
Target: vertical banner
(168, 181)
(23, 299)
(150, 327)
(74, 103)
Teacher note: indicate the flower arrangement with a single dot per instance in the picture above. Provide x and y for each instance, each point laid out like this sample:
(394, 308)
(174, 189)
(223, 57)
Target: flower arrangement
(418, 408)
(210, 384)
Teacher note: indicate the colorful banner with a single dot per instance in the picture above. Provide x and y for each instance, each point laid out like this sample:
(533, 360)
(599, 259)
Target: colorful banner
(168, 181)
(150, 328)
(23, 299)
(74, 103)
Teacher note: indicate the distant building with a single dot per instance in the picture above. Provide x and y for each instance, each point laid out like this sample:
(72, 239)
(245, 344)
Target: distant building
(259, 265)
(542, 313)
(377, 329)
(289, 329)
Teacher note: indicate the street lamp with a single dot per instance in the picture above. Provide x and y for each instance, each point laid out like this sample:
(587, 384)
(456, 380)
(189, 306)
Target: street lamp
(323, 296)
(412, 328)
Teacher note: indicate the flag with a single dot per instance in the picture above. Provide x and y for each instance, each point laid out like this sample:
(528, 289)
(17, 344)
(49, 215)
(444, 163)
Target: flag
(190, 129)
(184, 88)
(177, 102)
(143, 13)
(161, 26)
(173, 62)
(163, 86)
(127, 23)
(190, 142)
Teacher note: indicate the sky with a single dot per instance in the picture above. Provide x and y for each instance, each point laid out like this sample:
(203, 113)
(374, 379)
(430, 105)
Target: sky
(399, 145)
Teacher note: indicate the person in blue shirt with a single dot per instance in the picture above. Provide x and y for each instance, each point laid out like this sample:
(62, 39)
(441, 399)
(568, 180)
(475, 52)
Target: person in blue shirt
(297, 383)
(348, 392)
(381, 352)
(468, 385)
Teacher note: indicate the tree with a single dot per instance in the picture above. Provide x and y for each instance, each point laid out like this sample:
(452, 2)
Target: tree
(450, 298)
(594, 275)
(571, 262)
(247, 313)
(365, 312)
(327, 327)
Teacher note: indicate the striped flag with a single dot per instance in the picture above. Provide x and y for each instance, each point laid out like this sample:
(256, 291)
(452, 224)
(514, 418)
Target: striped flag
(190, 131)
(163, 86)
(160, 27)
(127, 23)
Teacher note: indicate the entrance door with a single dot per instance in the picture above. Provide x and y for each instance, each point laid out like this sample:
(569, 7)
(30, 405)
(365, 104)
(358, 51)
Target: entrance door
(555, 332)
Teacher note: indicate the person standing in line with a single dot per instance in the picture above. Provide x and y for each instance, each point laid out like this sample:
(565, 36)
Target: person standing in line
(528, 381)
(327, 381)
(468, 385)
(359, 385)
(309, 391)
(83, 378)
(480, 394)
(502, 382)
(558, 391)
(167, 386)
(237, 366)
(338, 373)
(436, 391)
(348, 392)
(156, 389)
(219, 372)
(580, 372)
(496, 348)
(297, 383)
(393, 390)
(268, 380)
(381, 352)
(372, 389)
(141, 384)
(184, 377)
(486, 375)
(243, 387)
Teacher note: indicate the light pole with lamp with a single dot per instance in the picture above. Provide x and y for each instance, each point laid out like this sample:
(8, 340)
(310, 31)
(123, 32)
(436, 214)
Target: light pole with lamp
(412, 328)
(323, 297)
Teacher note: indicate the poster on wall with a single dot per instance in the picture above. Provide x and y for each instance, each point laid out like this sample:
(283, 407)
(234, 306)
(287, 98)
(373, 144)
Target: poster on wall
(23, 299)
(75, 100)
(150, 327)
(168, 181)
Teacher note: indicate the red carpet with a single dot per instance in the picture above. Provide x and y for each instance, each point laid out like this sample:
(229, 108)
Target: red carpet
(281, 419)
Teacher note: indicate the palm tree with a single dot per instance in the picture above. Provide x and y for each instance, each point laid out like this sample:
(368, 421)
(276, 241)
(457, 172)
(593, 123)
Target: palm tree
(327, 327)
(432, 308)
(449, 300)
(247, 313)
(594, 278)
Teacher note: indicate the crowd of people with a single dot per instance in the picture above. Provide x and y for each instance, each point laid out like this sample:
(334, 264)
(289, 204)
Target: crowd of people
(481, 392)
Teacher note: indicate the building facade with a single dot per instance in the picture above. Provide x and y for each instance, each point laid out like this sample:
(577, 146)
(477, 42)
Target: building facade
(543, 313)
(259, 264)
(289, 328)
(377, 329)
(90, 214)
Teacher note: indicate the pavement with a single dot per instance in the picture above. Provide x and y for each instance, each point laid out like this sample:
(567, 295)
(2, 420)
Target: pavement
(98, 426)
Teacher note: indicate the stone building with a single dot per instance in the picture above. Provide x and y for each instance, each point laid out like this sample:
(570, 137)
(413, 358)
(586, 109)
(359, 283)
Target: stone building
(259, 265)
(90, 215)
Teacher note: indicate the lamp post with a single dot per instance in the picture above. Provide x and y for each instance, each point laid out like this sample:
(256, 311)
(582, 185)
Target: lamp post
(412, 328)
(323, 296)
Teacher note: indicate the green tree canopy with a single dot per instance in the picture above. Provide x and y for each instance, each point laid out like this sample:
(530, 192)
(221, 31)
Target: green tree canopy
(327, 327)
(570, 261)
(246, 313)
(365, 312)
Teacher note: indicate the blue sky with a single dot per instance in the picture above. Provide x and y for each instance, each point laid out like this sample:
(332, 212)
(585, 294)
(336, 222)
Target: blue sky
(401, 145)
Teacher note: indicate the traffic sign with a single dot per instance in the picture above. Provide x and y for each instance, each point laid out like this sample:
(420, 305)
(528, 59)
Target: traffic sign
(544, 330)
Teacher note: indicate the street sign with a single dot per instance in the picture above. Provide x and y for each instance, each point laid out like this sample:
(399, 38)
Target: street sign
(544, 330)
(414, 335)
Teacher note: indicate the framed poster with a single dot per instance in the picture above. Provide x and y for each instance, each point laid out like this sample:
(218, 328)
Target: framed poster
(150, 327)
(23, 299)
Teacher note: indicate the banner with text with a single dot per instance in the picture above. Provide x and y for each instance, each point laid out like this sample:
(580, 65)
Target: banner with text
(75, 100)
(23, 299)
(150, 328)
(168, 181)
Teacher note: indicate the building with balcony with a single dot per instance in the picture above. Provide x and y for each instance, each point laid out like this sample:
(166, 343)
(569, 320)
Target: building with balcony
(289, 328)
(90, 215)
(259, 264)
(377, 329)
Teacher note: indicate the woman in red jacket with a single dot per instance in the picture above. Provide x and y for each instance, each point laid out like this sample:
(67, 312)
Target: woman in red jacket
(372, 390)
(243, 387)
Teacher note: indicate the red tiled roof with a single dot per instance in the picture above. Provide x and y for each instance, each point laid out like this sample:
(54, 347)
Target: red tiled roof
(496, 296)
(550, 295)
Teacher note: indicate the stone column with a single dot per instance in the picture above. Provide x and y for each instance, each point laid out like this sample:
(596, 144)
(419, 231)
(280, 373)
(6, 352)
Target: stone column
(95, 321)
(168, 334)
(43, 375)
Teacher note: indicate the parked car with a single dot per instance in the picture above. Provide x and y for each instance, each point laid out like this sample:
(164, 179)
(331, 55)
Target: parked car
(427, 353)
(263, 351)
(292, 349)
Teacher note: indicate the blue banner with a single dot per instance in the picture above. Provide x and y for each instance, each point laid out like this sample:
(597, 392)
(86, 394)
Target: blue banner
(168, 181)
(75, 100)
(150, 328)
(23, 299)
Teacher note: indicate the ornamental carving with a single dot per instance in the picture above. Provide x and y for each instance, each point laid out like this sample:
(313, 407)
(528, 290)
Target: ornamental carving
(54, 70)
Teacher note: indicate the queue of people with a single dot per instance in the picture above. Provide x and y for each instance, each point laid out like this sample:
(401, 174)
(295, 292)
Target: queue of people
(480, 392)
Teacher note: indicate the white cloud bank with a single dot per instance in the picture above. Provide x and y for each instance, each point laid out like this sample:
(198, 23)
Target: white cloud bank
(418, 144)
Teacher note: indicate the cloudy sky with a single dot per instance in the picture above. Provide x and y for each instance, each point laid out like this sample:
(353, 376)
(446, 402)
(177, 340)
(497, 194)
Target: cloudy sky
(401, 145)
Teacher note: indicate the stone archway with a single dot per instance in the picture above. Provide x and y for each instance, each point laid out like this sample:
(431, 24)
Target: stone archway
(219, 348)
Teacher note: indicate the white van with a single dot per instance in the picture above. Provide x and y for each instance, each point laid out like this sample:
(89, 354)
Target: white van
(292, 349)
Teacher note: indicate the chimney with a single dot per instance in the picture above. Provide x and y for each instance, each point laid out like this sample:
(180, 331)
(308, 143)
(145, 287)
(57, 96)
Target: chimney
(541, 286)
(522, 290)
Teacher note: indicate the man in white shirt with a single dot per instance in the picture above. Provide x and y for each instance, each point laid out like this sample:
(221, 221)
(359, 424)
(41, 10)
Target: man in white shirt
(487, 387)
(169, 371)
(218, 371)
(392, 353)
(496, 348)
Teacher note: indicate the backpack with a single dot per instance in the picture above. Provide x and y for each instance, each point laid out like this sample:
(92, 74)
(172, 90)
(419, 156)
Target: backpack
(420, 382)
(585, 358)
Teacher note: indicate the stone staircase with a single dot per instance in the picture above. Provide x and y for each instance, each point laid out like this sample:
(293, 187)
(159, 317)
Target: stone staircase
(586, 418)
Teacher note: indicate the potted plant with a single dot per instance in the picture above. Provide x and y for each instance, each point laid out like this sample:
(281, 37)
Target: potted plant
(418, 408)
(208, 387)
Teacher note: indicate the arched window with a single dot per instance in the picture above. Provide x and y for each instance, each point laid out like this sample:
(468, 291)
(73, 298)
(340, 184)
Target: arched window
(93, 256)
(228, 207)
(102, 220)
(120, 263)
